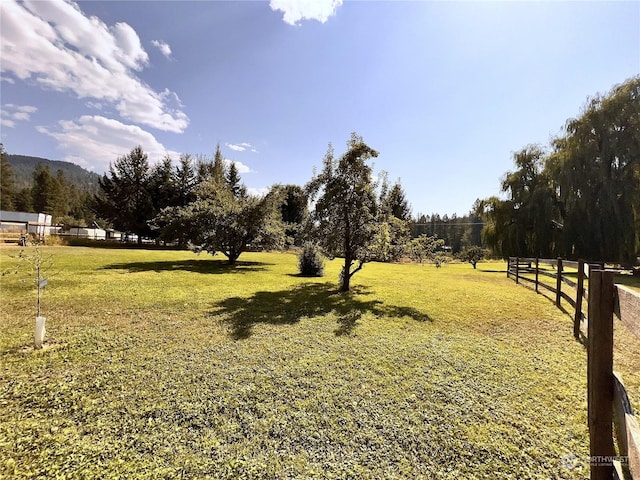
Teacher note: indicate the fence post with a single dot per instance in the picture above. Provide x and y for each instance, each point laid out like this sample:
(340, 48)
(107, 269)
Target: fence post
(508, 266)
(537, 266)
(559, 282)
(577, 319)
(600, 374)
(517, 269)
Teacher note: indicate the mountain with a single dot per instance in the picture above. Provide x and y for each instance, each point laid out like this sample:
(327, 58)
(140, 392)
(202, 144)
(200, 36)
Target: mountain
(23, 167)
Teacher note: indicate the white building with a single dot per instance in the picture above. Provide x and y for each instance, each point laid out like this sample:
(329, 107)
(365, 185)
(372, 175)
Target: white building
(87, 232)
(38, 224)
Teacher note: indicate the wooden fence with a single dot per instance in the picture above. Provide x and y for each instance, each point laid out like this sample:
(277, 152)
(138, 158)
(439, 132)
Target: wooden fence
(609, 408)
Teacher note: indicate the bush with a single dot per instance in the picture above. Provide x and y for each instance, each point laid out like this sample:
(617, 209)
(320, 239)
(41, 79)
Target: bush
(51, 240)
(311, 260)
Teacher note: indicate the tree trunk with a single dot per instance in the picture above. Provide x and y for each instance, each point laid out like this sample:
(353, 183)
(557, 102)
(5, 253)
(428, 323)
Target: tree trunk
(346, 277)
(233, 256)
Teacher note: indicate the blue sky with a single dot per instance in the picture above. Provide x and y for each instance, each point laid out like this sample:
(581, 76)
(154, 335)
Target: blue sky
(445, 91)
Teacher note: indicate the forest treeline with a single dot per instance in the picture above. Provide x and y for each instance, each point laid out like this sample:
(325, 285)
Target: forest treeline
(28, 184)
(133, 193)
(577, 197)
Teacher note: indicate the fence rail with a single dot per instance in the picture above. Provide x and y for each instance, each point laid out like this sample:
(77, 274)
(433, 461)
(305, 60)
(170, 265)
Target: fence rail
(609, 408)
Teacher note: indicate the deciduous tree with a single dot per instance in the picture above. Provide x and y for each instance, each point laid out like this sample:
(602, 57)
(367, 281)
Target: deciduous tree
(581, 200)
(596, 171)
(346, 206)
(424, 247)
(472, 254)
(523, 223)
(220, 221)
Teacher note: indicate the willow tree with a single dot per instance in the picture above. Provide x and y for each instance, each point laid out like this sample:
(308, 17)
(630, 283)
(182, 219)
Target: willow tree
(583, 199)
(525, 223)
(344, 218)
(596, 168)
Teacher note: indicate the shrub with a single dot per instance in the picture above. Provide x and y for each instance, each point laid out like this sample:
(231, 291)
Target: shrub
(311, 260)
(51, 240)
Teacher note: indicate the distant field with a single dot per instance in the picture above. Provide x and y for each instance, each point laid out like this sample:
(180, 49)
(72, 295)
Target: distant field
(164, 364)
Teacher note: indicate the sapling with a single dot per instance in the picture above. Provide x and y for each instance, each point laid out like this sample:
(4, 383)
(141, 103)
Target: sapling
(37, 264)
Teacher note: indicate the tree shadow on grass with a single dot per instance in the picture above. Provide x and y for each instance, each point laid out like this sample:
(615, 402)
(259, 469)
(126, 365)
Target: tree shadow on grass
(208, 266)
(543, 292)
(287, 307)
(492, 270)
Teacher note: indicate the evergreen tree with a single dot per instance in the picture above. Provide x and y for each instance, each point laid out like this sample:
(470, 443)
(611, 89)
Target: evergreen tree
(233, 179)
(60, 198)
(162, 188)
(42, 190)
(392, 226)
(22, 201)
(397, 204)
(293, 210)
(219, 170)
(7, 185)
(125, 199)
(185, 180)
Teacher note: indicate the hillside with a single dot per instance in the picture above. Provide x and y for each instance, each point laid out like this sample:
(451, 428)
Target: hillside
(23, 167)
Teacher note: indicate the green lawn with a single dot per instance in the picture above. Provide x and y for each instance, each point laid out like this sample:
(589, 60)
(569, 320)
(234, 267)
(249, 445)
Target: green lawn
(162, 364)
(626, 353)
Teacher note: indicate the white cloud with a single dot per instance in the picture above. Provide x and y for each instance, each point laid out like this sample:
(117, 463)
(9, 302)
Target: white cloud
(297, 10)
(241, 147)
(23, 108)
(21, 116)
(56, 45)
(95, 141)
(237, 148)
(95, 105)
(12, 113)
(258, 191)
(242, 168)
(164, 48)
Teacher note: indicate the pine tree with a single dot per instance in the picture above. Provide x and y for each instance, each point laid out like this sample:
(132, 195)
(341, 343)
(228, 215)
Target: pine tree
(233, 181)
(7, 185)
(124, 199)
(42, 190)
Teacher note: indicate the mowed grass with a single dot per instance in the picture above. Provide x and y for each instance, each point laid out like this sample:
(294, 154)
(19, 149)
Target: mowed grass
(164, 364)
(626, 344)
